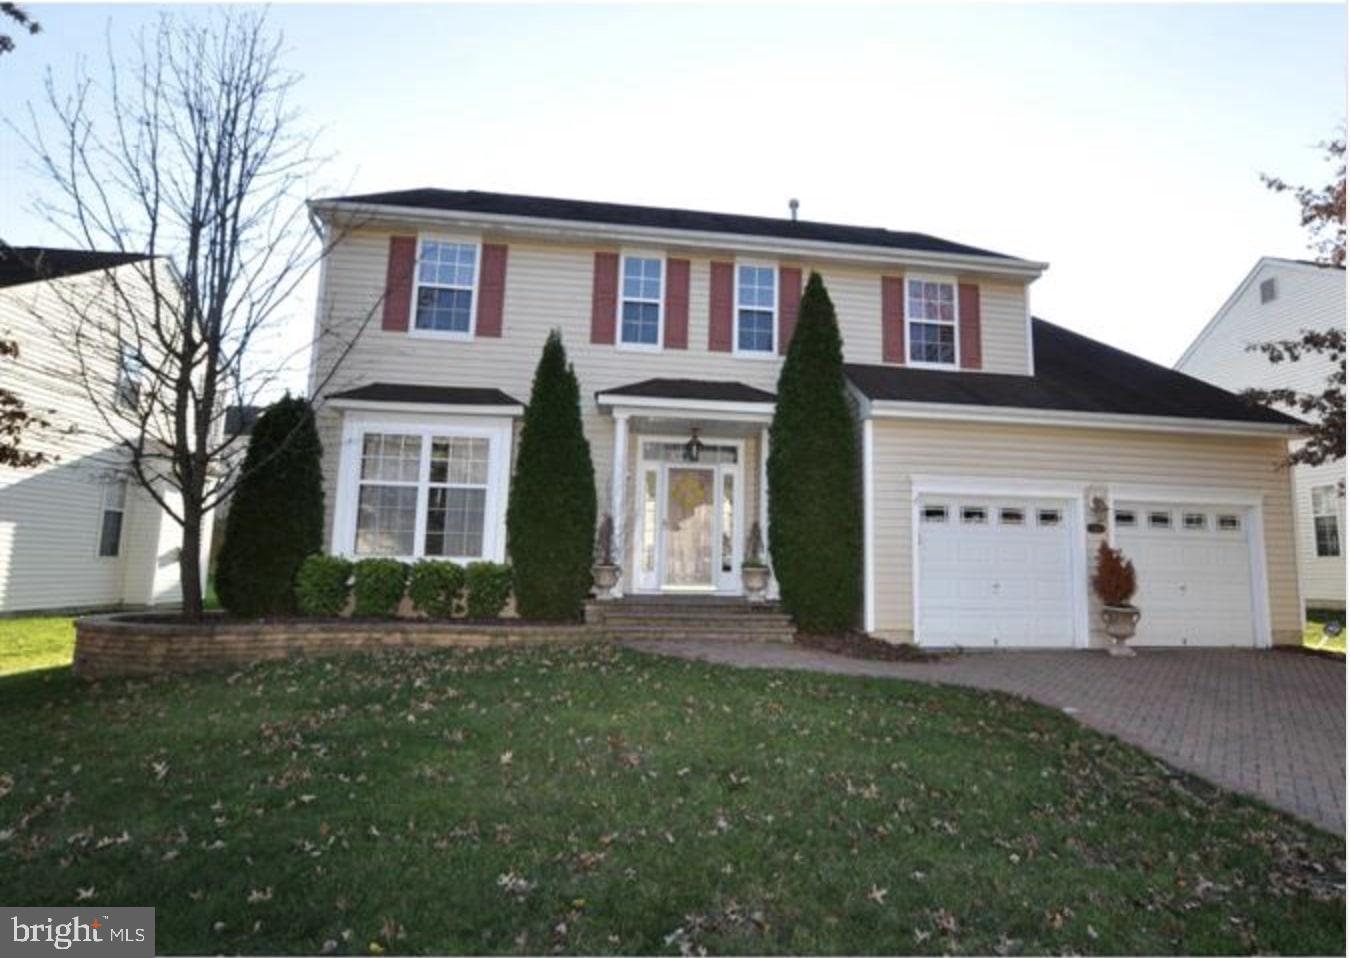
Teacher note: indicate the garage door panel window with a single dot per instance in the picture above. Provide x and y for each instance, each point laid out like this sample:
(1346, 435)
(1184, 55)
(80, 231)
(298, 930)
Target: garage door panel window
(1326, 521)
(1160, 520)
(1049, 517)
(1228, 523)
(934, 514)
(1195, 521)
(974, 515)
(1012, 517)
(1126, 519)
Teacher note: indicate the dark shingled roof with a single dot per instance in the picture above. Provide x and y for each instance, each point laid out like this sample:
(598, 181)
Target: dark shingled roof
(1073, 374)
(28, 264)
(440, 395)
(704, 389)
(544, 207)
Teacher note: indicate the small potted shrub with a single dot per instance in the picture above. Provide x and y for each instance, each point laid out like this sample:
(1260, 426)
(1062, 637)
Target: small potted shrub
(605, 572)
(754, 570)
(1114, 582)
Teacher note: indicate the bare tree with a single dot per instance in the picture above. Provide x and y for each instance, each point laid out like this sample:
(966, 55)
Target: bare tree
(190, 153)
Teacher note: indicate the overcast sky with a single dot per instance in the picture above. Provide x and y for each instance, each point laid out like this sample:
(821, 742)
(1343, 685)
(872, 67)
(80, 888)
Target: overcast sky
(1120, 144)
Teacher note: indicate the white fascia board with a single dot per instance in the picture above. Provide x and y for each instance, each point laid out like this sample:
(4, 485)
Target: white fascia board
(683, 408)
(428, 408)
(620, 234)
(1017, 415)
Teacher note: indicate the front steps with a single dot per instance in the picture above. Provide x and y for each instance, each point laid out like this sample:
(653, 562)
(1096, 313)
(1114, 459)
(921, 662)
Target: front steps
(681, 618)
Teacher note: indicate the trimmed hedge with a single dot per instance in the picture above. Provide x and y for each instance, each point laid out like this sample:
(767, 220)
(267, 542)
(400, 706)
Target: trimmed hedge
(322, 585)
(815, 511)
(435, 586)
(275, 517)
(489, 585)
(378, 586)
(550, 516)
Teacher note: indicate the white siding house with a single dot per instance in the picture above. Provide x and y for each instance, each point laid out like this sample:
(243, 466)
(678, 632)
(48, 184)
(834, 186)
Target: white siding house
(1276, 300)
(76, 532)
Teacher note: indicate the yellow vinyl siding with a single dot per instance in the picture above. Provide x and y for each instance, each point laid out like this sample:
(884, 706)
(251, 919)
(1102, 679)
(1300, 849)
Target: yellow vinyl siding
(1090, 456)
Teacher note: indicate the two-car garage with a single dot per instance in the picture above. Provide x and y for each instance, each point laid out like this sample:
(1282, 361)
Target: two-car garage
(1012, 571)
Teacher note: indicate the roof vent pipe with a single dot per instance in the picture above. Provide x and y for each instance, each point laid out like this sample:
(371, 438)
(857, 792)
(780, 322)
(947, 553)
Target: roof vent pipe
(792, 207)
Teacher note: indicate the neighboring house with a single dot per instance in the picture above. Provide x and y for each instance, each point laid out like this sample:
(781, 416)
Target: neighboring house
(77, 532)
(992, 443)
(1277, 300)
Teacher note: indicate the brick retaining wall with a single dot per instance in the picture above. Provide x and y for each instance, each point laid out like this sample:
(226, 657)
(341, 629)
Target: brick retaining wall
(120, 645)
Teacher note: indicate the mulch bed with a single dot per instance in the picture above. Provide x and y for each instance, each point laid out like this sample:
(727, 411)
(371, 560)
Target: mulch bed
(859, 645)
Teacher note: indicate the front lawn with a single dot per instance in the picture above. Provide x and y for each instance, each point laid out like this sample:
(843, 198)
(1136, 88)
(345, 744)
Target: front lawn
(1315, 638)
(36, 642)
(599, 800)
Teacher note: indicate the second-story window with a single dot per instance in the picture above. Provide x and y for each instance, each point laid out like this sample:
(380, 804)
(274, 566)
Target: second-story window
(446, 276)
(756, 308)
(930, 315)
(130, 372)
(640, 305)
(1326, 520)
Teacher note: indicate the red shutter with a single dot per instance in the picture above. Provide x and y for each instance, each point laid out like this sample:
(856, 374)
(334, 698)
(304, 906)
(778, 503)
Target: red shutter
(398, 283)
(677, 304)
(789, 303)
(968, 301)
(892, 319)
(604, 298)
(721, 302)
(491, 290)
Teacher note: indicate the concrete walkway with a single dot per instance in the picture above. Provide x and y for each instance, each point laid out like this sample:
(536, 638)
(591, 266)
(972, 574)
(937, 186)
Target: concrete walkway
(1270, 724)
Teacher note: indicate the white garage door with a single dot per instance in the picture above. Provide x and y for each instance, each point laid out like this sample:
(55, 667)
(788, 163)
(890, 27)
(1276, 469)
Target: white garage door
(994, 572)
(1194, 569)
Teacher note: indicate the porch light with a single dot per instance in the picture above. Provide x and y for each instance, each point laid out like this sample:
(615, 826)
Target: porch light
(693, 448)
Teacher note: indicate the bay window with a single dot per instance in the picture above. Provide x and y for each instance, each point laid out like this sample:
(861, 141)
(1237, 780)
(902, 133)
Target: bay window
(930, 320)
(418, 486)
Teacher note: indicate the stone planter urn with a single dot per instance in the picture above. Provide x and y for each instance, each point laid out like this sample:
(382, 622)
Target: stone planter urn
(1121, 622)
(755, 579)
(605, 577)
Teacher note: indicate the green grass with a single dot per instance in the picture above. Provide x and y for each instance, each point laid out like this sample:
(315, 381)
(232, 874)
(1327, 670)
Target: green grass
(602, 801)
(36, 642)
(1315, 638)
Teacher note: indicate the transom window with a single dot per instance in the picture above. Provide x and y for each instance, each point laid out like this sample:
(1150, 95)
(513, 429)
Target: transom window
(446, 275)
(756, 308)
(640, 303)
(435, 485)
(1326, 520)
(930, 315)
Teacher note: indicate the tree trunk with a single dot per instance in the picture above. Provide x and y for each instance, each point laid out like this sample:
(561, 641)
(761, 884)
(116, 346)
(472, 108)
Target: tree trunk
(190, 561)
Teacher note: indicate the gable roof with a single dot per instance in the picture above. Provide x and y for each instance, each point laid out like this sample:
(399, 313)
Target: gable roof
(1074, 373)
(701, 389)
(586, 211)
(1241, 288)
(30, 264)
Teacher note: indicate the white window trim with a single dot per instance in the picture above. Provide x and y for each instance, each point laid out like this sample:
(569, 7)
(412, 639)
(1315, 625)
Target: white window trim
(464, 240)
(103, 510)
(772, 351)
(1335, 514)
(496, 429)
(910, 320)
(660, 257)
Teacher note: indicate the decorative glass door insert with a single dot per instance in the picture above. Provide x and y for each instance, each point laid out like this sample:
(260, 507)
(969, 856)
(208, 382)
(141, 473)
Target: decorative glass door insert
(689, 527)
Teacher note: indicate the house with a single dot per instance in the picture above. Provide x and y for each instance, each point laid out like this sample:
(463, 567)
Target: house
(997, 449)
(76, 532)
(1278, 299)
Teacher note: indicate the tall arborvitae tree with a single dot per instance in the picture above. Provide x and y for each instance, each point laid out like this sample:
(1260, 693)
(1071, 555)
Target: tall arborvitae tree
(815, 515)
(550, 519)
(275, 517)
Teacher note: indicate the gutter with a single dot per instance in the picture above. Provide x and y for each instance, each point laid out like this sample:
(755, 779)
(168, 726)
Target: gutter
(618, 234)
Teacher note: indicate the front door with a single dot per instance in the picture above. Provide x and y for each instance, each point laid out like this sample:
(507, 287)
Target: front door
(690, 527)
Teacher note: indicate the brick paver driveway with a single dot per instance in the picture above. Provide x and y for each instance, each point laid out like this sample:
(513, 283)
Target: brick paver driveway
(1271, 724)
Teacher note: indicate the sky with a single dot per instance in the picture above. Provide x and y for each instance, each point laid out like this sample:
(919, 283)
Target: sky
(1120, 144)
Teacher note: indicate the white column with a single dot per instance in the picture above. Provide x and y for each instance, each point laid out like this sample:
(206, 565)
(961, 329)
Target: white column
(772, 590)
(869, 517)
(618, 484)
